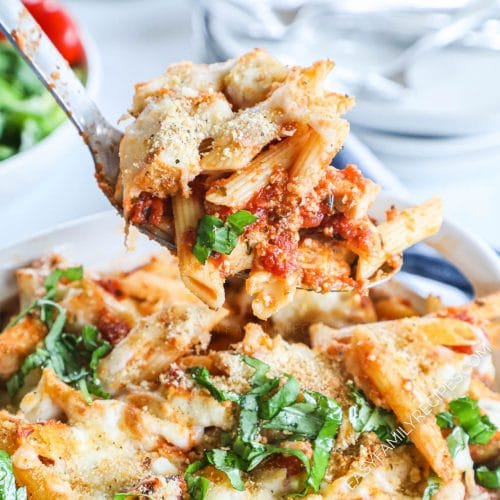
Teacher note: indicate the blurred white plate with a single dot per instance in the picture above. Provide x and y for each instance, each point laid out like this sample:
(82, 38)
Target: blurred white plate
(454, 92)
(428, 147)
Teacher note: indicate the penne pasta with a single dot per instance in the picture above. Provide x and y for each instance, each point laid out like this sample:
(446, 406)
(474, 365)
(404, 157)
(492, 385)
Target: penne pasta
(270, 292)
(404, 230)
(204, 280)
(368, 357)
(309, 166)
(243, 138)
(240, 259)
(240, 187)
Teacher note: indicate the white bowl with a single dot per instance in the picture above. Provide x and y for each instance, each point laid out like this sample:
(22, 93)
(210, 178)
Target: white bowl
(97, 242)
(23, 170)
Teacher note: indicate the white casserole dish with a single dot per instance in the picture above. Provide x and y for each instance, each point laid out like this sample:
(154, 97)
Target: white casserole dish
(98, 242)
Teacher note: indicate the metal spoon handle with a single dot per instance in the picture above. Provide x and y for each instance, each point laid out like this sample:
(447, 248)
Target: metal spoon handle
(51, 68)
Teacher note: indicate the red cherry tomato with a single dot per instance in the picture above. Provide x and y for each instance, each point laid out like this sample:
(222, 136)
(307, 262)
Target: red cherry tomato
(59, 27)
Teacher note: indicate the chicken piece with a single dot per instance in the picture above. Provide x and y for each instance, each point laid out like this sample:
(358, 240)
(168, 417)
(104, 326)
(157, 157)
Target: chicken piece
(253, 77)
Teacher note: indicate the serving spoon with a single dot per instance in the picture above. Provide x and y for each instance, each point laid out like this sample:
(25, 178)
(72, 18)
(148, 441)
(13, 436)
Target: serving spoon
(102, 139)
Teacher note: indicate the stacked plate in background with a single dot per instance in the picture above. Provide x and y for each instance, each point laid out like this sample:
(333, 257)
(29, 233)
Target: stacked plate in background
(446, 136)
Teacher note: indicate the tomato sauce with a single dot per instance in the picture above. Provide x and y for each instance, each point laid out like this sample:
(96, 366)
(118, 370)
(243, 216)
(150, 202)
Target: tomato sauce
(147, 208)
(112, 328)
(112, 286)
(347, 229)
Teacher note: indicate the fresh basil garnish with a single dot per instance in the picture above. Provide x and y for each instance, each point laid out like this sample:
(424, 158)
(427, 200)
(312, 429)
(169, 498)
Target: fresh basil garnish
(323, 443)
(445, 420)
(433, 484)
(215, 235)
(8, 490)
(240, 220)
(229, 463)
(479, 427)
(265, 405)
(197, 485)
(201, 375)
(458, 445)
(73, 358)
(285, 396)
(50, 283)
(365, 417)
(488, 478)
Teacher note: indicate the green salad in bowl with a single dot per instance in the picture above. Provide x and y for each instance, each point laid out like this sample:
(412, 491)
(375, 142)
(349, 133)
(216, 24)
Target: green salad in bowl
(28, 112)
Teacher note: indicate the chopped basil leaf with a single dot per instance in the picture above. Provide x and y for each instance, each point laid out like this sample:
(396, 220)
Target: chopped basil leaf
(240, 220)
(70, 273)
(73, 358)
(467, 413)
(8, 490)
(50, 283)
(265, 451)
(433, 484)
(488, 478)
(214, 235)
(315, 417)
(249, 417)
(201, 375)
(197, 485)
(229, 463)
(323, 444)
(33, 361)
(445, 420)
(285, 396)
(457, 442)
(482, 431)
(265, 388)
(299, 419)
(364, 417)
(261, 368)
(201, 252)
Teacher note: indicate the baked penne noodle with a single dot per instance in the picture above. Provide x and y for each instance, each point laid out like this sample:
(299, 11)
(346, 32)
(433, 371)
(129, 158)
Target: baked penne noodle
(240, 259)
(375, 359)
(439, 331)
(240, 187)
(309, 166)
(485, 311)
(270, 292)
(404, 230)
(204, 280)
(244, 137)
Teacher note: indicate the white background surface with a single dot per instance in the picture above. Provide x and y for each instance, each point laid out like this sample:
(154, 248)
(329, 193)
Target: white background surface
(136, 40)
